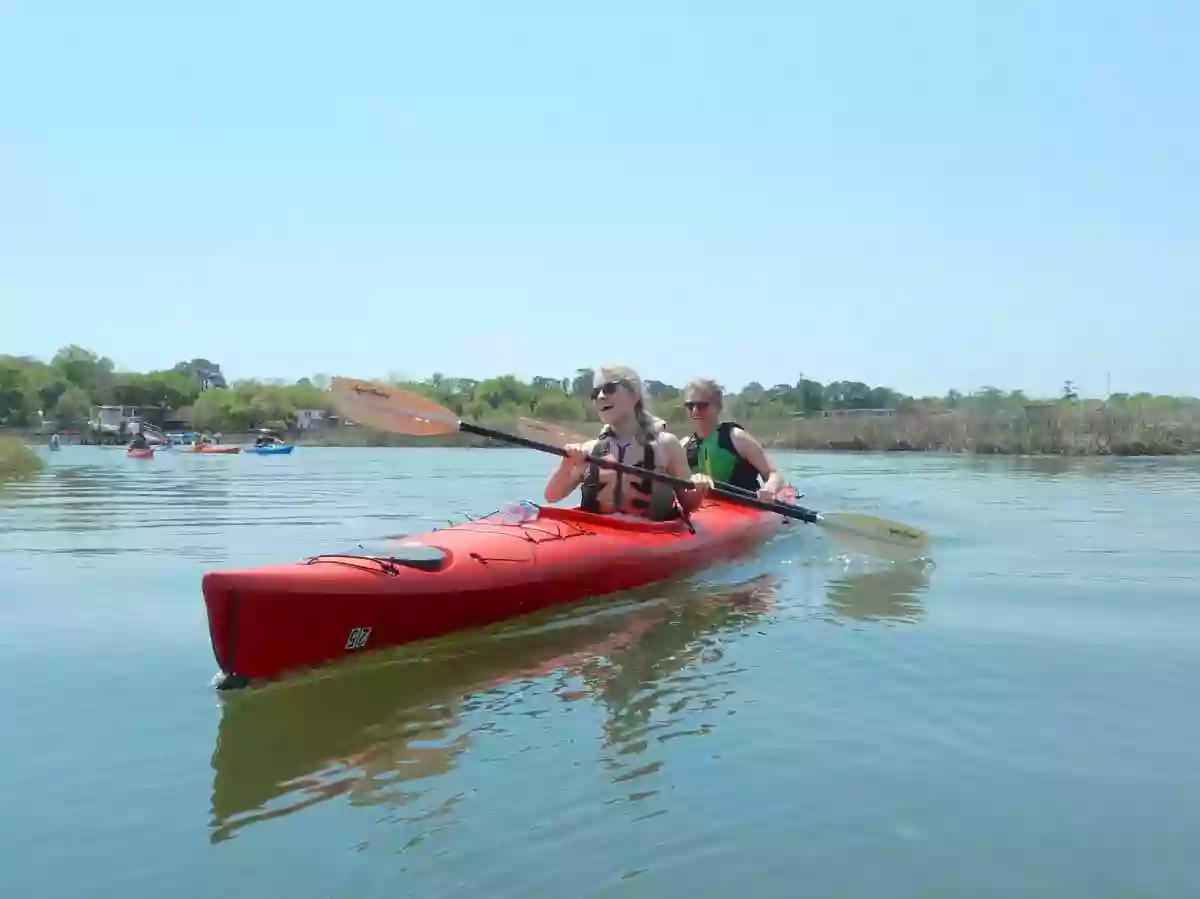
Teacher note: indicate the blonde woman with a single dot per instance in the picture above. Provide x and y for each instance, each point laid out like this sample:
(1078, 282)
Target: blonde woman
(633, 436)
(724, 450)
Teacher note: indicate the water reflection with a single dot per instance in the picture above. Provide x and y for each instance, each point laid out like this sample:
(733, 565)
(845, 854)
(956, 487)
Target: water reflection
(892, 593)
(373, 731)
(653, 687)
(1049, 468)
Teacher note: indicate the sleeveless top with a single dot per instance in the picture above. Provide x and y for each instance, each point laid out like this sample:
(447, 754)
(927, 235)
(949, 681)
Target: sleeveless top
(627, 493)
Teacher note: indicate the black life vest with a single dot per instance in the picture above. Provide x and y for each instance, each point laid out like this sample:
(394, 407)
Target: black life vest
(653, 499)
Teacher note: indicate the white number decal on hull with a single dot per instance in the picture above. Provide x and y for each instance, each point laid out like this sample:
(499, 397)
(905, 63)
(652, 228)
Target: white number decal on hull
(358, 638)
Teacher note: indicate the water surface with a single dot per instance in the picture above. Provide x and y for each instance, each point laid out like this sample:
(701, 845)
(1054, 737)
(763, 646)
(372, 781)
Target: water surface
(1015, 718)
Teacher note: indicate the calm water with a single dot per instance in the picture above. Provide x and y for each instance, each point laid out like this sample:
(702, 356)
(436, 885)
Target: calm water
(1018, 718)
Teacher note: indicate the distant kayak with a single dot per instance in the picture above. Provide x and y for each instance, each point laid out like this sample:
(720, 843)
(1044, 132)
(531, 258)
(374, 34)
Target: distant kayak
(204, 448)
(144, 453)
(272, 449)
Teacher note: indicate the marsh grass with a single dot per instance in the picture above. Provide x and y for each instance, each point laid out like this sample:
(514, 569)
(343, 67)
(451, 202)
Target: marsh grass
(1067, 429)
(17, 460)
(1064, 429)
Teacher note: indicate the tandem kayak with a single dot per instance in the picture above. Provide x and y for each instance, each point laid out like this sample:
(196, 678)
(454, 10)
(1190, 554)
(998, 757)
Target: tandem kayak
(274, 449)
(207, 448)
(265, 622)
(144, 453)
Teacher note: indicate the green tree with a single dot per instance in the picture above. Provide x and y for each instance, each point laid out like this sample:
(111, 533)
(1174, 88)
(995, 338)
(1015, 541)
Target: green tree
(505, 389)
(213, 409)
(812, 396)
(557, 406)
(72, 408)
(658, 391)
(581, 384)
(51, 391)
(15, 402)
(205, 373)
(83, 368)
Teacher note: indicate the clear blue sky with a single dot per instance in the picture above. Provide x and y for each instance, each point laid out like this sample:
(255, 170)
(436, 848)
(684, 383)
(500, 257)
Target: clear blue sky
(925, 195)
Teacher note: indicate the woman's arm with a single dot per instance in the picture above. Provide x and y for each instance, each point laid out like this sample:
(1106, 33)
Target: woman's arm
(751, 450)
(676, 464)
(570, 471)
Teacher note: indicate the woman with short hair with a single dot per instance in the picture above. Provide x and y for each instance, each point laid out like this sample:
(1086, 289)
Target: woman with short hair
(724, 450)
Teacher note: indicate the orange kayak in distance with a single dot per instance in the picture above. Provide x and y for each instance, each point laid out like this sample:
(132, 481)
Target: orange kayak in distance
(216, 450)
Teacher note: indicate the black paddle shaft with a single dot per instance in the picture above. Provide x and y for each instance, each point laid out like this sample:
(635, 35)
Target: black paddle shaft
(728, 491)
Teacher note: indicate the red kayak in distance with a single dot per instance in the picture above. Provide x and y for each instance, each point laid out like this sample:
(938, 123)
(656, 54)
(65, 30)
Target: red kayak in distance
(265, 622)
(142, 453)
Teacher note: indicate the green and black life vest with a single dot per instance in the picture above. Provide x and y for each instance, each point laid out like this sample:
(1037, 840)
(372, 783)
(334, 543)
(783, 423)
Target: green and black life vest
(653, 499)
(717, 457)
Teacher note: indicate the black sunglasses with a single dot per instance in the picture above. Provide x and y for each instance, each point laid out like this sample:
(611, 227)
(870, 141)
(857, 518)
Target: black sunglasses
(698, 404)
(608, 388)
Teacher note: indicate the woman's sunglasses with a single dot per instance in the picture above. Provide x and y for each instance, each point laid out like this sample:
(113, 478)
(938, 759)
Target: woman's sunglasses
(697, 404)
(608, 388)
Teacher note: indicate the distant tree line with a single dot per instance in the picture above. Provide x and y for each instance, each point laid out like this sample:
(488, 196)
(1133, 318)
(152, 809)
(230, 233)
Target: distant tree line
(65, 389)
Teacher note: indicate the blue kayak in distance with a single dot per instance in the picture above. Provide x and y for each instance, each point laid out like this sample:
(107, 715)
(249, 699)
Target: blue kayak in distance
(273, 449)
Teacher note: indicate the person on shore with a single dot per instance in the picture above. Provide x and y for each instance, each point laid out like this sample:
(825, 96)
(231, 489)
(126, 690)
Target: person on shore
(633, 436)
(724, 450)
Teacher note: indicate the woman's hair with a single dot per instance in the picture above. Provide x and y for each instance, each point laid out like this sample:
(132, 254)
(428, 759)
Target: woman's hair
(709, 388)
(650, 425)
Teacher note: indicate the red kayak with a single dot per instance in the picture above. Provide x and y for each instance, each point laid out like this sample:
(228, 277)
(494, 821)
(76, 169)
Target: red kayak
(267, 621)
(142, 453)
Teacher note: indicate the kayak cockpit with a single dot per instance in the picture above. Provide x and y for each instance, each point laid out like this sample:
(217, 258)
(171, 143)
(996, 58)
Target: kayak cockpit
(391, 557)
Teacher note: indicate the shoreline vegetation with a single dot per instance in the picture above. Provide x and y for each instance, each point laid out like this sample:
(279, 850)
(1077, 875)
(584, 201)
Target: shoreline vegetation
(17, 460)
(38, 397)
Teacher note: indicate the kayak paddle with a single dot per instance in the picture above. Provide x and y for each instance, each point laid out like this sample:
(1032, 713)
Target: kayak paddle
(400, 411)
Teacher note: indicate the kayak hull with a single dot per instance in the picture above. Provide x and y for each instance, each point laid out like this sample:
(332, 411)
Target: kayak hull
(276, 450)
(147, 453)
(217, 450)
(265, 622)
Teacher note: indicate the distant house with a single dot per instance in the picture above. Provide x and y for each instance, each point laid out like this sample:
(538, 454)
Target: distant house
(211, 379)
(309, 419)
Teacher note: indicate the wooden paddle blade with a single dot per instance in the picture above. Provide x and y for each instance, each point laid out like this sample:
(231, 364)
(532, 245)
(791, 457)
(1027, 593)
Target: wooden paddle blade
(391, 409)
(553, 434)
(877, 536)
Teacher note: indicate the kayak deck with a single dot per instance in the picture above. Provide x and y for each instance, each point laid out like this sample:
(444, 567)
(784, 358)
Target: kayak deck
(266, 621)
